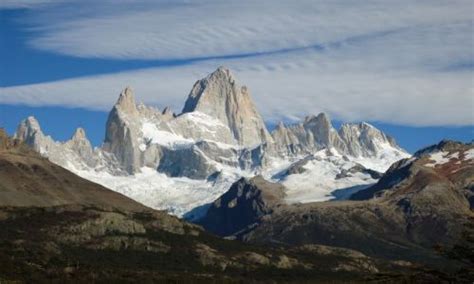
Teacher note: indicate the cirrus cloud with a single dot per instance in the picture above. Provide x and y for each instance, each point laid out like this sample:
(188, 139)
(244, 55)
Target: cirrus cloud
(405, 62)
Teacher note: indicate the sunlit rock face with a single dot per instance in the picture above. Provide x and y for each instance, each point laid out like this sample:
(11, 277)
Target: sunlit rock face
(220, 96)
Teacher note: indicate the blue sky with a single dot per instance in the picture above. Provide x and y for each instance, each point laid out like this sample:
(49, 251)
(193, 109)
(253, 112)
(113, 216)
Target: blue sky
(405, 66)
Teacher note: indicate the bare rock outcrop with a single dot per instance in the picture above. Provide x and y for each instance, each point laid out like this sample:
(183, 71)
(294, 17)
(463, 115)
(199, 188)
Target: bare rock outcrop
(316, 132)
(220, 96)
(242, 205)
(76, 152)
(363, 139)
(122, 132)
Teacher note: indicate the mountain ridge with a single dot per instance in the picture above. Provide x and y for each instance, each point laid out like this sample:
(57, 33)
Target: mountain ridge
(219, 134)
(59, 227)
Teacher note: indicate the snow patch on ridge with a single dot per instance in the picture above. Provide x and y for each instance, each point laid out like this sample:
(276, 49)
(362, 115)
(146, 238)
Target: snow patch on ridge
(151, 134)
(202, 119)
(469, 154)
(386, 157)
(319, 183)
(438, 158)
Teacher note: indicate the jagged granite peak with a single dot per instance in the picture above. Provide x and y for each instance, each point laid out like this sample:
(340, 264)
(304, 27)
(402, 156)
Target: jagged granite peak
(75, 153)
(325, 136)
(217, 84)
(280, 125)
(27, 128)
(79, 140)
(314, 133)
(32, 123)
(122, 132)
(126, 101)
(363, 139)
(29, 132)
(81, 145)
(79, 134)
(291, 138)
(220, 96)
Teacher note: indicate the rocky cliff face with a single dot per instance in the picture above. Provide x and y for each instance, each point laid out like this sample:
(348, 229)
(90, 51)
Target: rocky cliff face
(122, 132)
(316, 133)
(363, 139)
(29, 131)
(220, 96)
(75, 153)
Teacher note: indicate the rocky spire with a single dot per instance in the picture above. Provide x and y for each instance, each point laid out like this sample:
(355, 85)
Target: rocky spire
(280, 125)
(126, 102)
(363, 139)
(323, 132)
(122, 132)
(217, 87)
(220, 96)
(27, 129)
(79, 134)
(81, 146)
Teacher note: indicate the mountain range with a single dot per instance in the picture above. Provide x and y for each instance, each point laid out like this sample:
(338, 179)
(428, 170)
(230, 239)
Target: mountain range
(58, 227)
(304, 202)
(62, 228)
(218, 137)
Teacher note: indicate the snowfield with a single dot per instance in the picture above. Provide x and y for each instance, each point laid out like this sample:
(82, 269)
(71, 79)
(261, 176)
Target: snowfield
(151, 134)
(156, 190)
(441, 158)
(185, 197)
(319, 183)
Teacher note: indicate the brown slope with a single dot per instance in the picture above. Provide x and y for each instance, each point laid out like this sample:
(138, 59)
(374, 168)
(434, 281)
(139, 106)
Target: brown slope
(410, 174)
(27, 179)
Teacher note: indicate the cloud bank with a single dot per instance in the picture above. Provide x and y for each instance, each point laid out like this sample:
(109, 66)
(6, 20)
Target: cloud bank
(404, 62)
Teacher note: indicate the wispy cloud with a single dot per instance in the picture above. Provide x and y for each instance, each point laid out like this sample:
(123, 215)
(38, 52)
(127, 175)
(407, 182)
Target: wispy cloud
(391, 61)
(23, 4)
(189, 29)
(280, 93)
